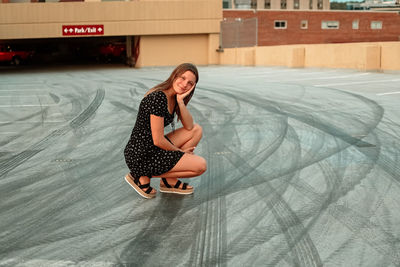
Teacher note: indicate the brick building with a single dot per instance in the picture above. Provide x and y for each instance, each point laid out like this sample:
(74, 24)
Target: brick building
(277, 27)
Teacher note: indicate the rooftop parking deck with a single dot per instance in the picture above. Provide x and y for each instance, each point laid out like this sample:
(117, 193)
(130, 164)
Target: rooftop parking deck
(303, 170)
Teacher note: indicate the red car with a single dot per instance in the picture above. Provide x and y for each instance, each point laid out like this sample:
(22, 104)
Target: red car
(112, 52)
(7, 54)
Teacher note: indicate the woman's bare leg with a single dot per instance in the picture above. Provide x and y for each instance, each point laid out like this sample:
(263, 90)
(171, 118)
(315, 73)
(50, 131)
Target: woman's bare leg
(188, 166)
(146, 180)
(183, 138)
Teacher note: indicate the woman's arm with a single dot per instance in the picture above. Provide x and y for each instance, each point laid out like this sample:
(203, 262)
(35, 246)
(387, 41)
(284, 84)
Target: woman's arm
(157, 132)
(186, 117)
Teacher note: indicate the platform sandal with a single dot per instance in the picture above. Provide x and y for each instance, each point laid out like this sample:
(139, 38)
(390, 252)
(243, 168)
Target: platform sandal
(142, 189)
(165, 187)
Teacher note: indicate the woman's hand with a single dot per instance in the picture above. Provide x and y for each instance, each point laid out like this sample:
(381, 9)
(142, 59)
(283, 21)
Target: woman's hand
(181, 97)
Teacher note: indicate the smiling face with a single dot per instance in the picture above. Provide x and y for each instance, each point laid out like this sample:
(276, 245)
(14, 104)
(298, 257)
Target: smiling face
(184, 82)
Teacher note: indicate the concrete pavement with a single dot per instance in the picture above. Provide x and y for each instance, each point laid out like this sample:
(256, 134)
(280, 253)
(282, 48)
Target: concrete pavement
(303, 170)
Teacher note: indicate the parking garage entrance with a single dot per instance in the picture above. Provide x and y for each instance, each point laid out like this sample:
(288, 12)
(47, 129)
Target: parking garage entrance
(77, 50)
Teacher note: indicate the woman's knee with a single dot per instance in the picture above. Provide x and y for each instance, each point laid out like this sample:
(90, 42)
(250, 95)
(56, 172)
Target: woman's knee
(201, 165)
(197, 130)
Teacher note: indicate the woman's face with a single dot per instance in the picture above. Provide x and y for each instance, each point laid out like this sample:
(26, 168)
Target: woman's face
(184, 82)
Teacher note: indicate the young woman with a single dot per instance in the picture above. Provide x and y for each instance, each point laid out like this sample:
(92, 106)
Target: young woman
(149, 153)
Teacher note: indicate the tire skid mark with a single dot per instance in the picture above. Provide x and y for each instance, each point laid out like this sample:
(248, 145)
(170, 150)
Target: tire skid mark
(388, 163)
(217, 245)
(147, 241)
(335, 190)
(52, 137)
(293, 111)
(210, 247)
(49, 238)
(346, 137)
(17, 240)
(37, 218)
(62, 236)
(306, 246)
(299, 250)
(300, 246)
(288, 220)
(210, 243)
(89, 111)
(383, 242)
(212, 208)
(305, 253)
(393, 127)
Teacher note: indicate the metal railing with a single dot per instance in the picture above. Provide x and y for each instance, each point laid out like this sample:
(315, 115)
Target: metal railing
(238, 33)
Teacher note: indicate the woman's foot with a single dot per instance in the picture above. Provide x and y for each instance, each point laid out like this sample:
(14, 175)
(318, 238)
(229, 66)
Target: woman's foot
(174, 186)
(141, 186)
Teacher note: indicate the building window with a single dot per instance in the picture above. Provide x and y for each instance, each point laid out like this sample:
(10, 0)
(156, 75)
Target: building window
(304, 24)
(355, 24)
(267, 4)
(283, 4)
(311, 4)
(296, 4)
(253, 4)
(330, 25)
(226, 4)
(376, 25)
(280, 24)
(320, 4)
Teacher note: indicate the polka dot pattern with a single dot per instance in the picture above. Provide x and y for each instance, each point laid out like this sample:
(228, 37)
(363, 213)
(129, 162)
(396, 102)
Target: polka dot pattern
(141, 155)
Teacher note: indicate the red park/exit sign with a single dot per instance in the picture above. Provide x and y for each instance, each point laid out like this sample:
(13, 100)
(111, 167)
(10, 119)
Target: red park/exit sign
(83, 29)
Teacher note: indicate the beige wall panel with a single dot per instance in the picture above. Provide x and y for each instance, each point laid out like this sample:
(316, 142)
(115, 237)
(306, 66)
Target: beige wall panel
(213, 44)
(390, 56)
(314, 54)
(173, 50)
(109, 11)
(362, 56)
(49, 30)
(271, 56)
(228, 57)
(43, 20)
(372, 57)
(336, 56)
(156, 27)
(245, 56)
(296, 57)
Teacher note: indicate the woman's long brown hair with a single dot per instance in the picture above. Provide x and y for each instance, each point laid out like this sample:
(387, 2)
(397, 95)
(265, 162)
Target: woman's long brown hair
(176, 73)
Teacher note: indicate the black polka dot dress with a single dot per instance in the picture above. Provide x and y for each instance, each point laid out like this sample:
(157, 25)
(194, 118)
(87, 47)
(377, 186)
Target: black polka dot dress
(141, 155)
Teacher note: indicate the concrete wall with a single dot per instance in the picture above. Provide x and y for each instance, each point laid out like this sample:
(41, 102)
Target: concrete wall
(45, 20)
(171, 50)
(362, 56)
(164, 51)
(171, 32)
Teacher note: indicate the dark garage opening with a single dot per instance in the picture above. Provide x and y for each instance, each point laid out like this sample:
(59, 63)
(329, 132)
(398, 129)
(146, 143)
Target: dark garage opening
(70, 51)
